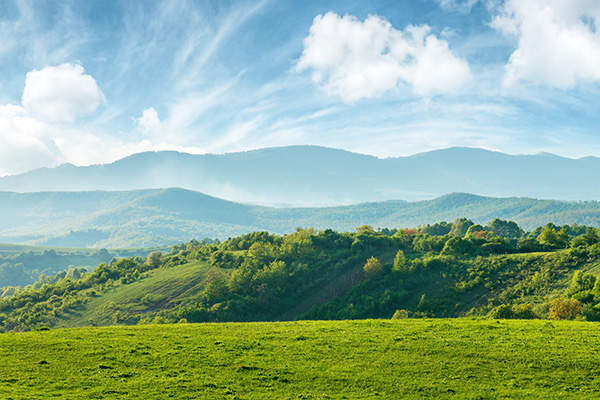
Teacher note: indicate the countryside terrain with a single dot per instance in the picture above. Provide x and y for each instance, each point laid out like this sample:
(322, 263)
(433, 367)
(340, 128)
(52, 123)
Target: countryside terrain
(464, 311)
(367, 359)
(456, 269)
(371, 300)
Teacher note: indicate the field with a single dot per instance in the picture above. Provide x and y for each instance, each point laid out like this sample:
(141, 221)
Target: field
(367, 359)
(164, 288)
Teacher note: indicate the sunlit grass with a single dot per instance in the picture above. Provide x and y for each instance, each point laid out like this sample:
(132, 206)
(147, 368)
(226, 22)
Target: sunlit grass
(458, 359)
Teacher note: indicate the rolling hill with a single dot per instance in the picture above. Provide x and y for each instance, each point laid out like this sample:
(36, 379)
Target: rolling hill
(144, 218)
(319, 176)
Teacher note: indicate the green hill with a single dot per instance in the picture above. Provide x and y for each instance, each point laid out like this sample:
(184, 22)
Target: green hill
(22, 265)
(402, 359)
(147, 218)
(442, 270)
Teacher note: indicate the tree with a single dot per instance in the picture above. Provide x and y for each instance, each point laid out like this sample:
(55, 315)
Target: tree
(154, 259)
(400, 262)
(474, 228)
(456, 246)
(552, 238)
(506, 229)
(364, 228)
(216, 286)
(460, 227)
(373, 268)
(565, 309)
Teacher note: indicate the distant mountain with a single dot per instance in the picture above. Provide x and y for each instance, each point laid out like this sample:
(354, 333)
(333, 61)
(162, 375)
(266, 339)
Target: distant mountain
(311, 175)
(152, 217)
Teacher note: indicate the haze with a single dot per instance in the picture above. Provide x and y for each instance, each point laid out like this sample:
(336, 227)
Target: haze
(89, 82)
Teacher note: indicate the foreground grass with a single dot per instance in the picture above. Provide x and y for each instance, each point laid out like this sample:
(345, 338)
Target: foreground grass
(447, 359)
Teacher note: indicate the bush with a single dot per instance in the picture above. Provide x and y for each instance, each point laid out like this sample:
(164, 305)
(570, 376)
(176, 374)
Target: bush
(400, 314)
(522, 311)
(565, 309)
(503, 311)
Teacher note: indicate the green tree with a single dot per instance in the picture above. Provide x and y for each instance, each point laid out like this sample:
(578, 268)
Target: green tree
(460, 226)
(400, 262)
(552, 238)
(373, 268)
(216, 286)
(506, 229)
(503, 311)
(456, 246)
(154, 259)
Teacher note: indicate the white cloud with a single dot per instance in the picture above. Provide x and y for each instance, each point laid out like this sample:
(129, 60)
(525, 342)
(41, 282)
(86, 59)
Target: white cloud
(25, 142)
(61, 93)
(558, 41)
(149, 121)
(30, 136)
(355, 59)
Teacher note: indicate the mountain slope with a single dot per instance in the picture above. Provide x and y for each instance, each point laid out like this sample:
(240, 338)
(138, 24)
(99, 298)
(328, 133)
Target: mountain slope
(311, 175)
(146, 218)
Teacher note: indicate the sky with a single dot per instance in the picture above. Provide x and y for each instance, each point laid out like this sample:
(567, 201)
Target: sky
(88, 82)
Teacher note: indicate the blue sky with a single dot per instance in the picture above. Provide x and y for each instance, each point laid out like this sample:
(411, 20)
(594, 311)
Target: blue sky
(93, 81)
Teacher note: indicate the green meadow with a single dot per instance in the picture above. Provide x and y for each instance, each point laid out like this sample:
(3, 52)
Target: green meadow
(366, 359)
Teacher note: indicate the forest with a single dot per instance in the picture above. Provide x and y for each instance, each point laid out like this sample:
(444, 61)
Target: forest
(446, 269)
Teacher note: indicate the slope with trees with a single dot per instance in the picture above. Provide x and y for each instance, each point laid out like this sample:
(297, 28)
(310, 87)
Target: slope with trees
(429, 271)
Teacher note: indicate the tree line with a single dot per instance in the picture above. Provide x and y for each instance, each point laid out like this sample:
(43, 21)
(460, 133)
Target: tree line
(440, 270)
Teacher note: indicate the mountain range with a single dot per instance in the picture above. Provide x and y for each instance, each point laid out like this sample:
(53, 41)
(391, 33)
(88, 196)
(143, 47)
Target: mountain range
(152, 217)
(303, 176)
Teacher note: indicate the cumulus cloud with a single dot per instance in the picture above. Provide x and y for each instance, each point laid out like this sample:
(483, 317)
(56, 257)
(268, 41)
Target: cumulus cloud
(355, 59)
(62, 93)
(558, 41)
(149, 121)
(25, 142)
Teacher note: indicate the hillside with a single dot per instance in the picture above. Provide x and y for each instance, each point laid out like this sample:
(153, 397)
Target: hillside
(159, 217)
(318, 176)
(441, 270)
(23, 265)
(407, 359)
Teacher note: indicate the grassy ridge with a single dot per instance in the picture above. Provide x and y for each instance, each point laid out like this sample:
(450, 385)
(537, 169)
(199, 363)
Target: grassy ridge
(162, 289)
(445, 359)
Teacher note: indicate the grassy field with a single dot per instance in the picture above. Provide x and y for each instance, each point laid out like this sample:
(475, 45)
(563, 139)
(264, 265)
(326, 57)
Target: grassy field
(163, 289)
(368, 359)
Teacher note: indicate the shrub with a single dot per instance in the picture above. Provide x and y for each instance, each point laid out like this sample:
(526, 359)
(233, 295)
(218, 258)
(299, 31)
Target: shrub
(565, 309)
(400, 314)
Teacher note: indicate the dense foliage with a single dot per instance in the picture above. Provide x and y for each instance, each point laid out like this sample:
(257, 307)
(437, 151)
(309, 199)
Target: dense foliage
(441, 270)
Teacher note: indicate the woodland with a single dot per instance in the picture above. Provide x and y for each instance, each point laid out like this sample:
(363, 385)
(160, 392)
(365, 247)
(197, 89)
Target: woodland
(457, 269)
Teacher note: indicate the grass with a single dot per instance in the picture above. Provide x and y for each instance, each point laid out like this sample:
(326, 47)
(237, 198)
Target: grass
(166, 287)
(368, 359)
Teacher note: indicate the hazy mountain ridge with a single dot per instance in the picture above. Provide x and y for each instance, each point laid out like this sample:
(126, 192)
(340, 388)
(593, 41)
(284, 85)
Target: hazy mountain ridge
(312, 175)
(152, 217)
